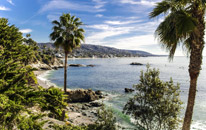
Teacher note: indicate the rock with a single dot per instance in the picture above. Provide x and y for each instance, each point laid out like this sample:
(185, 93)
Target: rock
(98, 92)
(128, 90)
(76, 65)
(42, 66)
(101, 96)
(81, 95)
(45, 68)
(84, 113)
(136, 63)
(60, 66)
(90, 65)
(55, 68)
(96, 104)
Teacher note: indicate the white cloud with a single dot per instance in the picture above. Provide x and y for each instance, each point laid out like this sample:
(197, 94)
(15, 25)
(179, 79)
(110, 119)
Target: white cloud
(99, 15)
(62, 4)
(52, 17)
(125, 33)
(99, 26)
(4, 8)
(135, 42)
(99, 4)
(25, 30)
(141, 2)
(121, 22)
(105, 31)
(10, 1)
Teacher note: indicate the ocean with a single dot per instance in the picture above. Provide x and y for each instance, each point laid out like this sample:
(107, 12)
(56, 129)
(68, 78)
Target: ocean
(114, 74)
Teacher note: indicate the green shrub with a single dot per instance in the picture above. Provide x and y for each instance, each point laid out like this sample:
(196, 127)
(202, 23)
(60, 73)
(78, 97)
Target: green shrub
(69, 127)
(105, 121)
(54, 101)
(156, 104)
(31, 122)
(16, 93)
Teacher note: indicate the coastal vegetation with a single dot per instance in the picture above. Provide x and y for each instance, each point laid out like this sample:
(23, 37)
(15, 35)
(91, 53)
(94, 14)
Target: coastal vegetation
(68, 35)
(184, 24)
(38, 55)
(18, 89)
(25, 105)
(156, 104)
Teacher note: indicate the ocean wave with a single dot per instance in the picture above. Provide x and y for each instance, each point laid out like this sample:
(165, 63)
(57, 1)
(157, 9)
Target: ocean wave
(44, 78)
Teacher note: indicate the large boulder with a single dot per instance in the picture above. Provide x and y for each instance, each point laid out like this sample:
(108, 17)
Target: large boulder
(128, 90)
(82, 95)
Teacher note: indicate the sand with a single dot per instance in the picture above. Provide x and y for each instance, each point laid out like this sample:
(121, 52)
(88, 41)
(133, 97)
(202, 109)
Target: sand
(41, 80)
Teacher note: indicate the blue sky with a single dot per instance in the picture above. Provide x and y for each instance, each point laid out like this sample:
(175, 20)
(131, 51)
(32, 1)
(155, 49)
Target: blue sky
(123, 24)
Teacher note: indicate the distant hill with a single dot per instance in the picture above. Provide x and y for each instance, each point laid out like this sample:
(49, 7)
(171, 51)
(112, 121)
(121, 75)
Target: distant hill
(88, 50)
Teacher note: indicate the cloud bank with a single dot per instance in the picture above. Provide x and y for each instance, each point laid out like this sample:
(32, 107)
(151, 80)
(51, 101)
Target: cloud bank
(25, 31)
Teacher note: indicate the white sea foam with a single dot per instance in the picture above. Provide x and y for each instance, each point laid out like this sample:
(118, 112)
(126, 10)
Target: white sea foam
(43, 78)
(198, 125)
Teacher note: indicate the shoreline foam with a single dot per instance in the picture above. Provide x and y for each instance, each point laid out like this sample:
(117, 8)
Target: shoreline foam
(42, 80)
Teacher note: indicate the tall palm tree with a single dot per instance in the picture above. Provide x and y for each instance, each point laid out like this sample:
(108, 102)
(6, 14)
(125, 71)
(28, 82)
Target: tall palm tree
(68, 35)
(183, 25)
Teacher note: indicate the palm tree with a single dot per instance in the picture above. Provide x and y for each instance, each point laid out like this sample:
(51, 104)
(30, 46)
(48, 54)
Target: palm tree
(68, 35)
(183, 25)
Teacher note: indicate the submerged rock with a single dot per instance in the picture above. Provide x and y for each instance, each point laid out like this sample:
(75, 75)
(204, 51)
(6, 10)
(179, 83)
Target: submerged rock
(136, 63)
(80, 65)
(128, 90)
(76, 65)
(90, 65)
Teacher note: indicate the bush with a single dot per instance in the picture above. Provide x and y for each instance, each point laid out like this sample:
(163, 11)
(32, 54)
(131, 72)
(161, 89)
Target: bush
(54, 102)
(17, 94)
(105, 121)
(31, 122)
(156, 104)
(69, 127)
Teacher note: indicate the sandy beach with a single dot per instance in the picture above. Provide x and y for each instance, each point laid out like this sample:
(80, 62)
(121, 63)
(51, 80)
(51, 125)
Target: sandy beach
(40, 74)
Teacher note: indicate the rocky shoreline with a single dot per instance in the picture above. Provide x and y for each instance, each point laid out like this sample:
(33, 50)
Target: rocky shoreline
(83, 104)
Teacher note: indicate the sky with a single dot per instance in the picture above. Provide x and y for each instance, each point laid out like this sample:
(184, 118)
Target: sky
(123, 24)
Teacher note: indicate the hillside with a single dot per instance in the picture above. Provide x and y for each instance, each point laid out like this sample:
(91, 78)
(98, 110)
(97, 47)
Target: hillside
(88, 50)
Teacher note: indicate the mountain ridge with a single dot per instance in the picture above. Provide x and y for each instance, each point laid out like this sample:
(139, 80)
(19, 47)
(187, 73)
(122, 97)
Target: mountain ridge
(89, 50)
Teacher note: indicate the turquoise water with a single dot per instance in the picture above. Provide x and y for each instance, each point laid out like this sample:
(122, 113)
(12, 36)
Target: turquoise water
(113, 75)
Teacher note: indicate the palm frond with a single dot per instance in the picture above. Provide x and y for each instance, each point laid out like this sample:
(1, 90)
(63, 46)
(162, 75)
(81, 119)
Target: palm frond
(186, 23)
(58, 42)
(161, 7)
(186, 46)
(175, 29)
(76, 20)
(55, 22)
(67, 33)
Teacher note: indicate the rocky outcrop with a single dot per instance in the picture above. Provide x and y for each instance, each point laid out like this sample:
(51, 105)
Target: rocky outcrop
(136, 63)
(42, 66)
(57, 64)
(80, 65)
(83, 113)
(128, 90)
(82, 95)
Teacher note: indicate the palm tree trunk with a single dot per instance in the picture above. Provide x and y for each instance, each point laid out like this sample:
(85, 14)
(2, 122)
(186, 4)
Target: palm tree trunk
(65, 72)
(197, 46)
